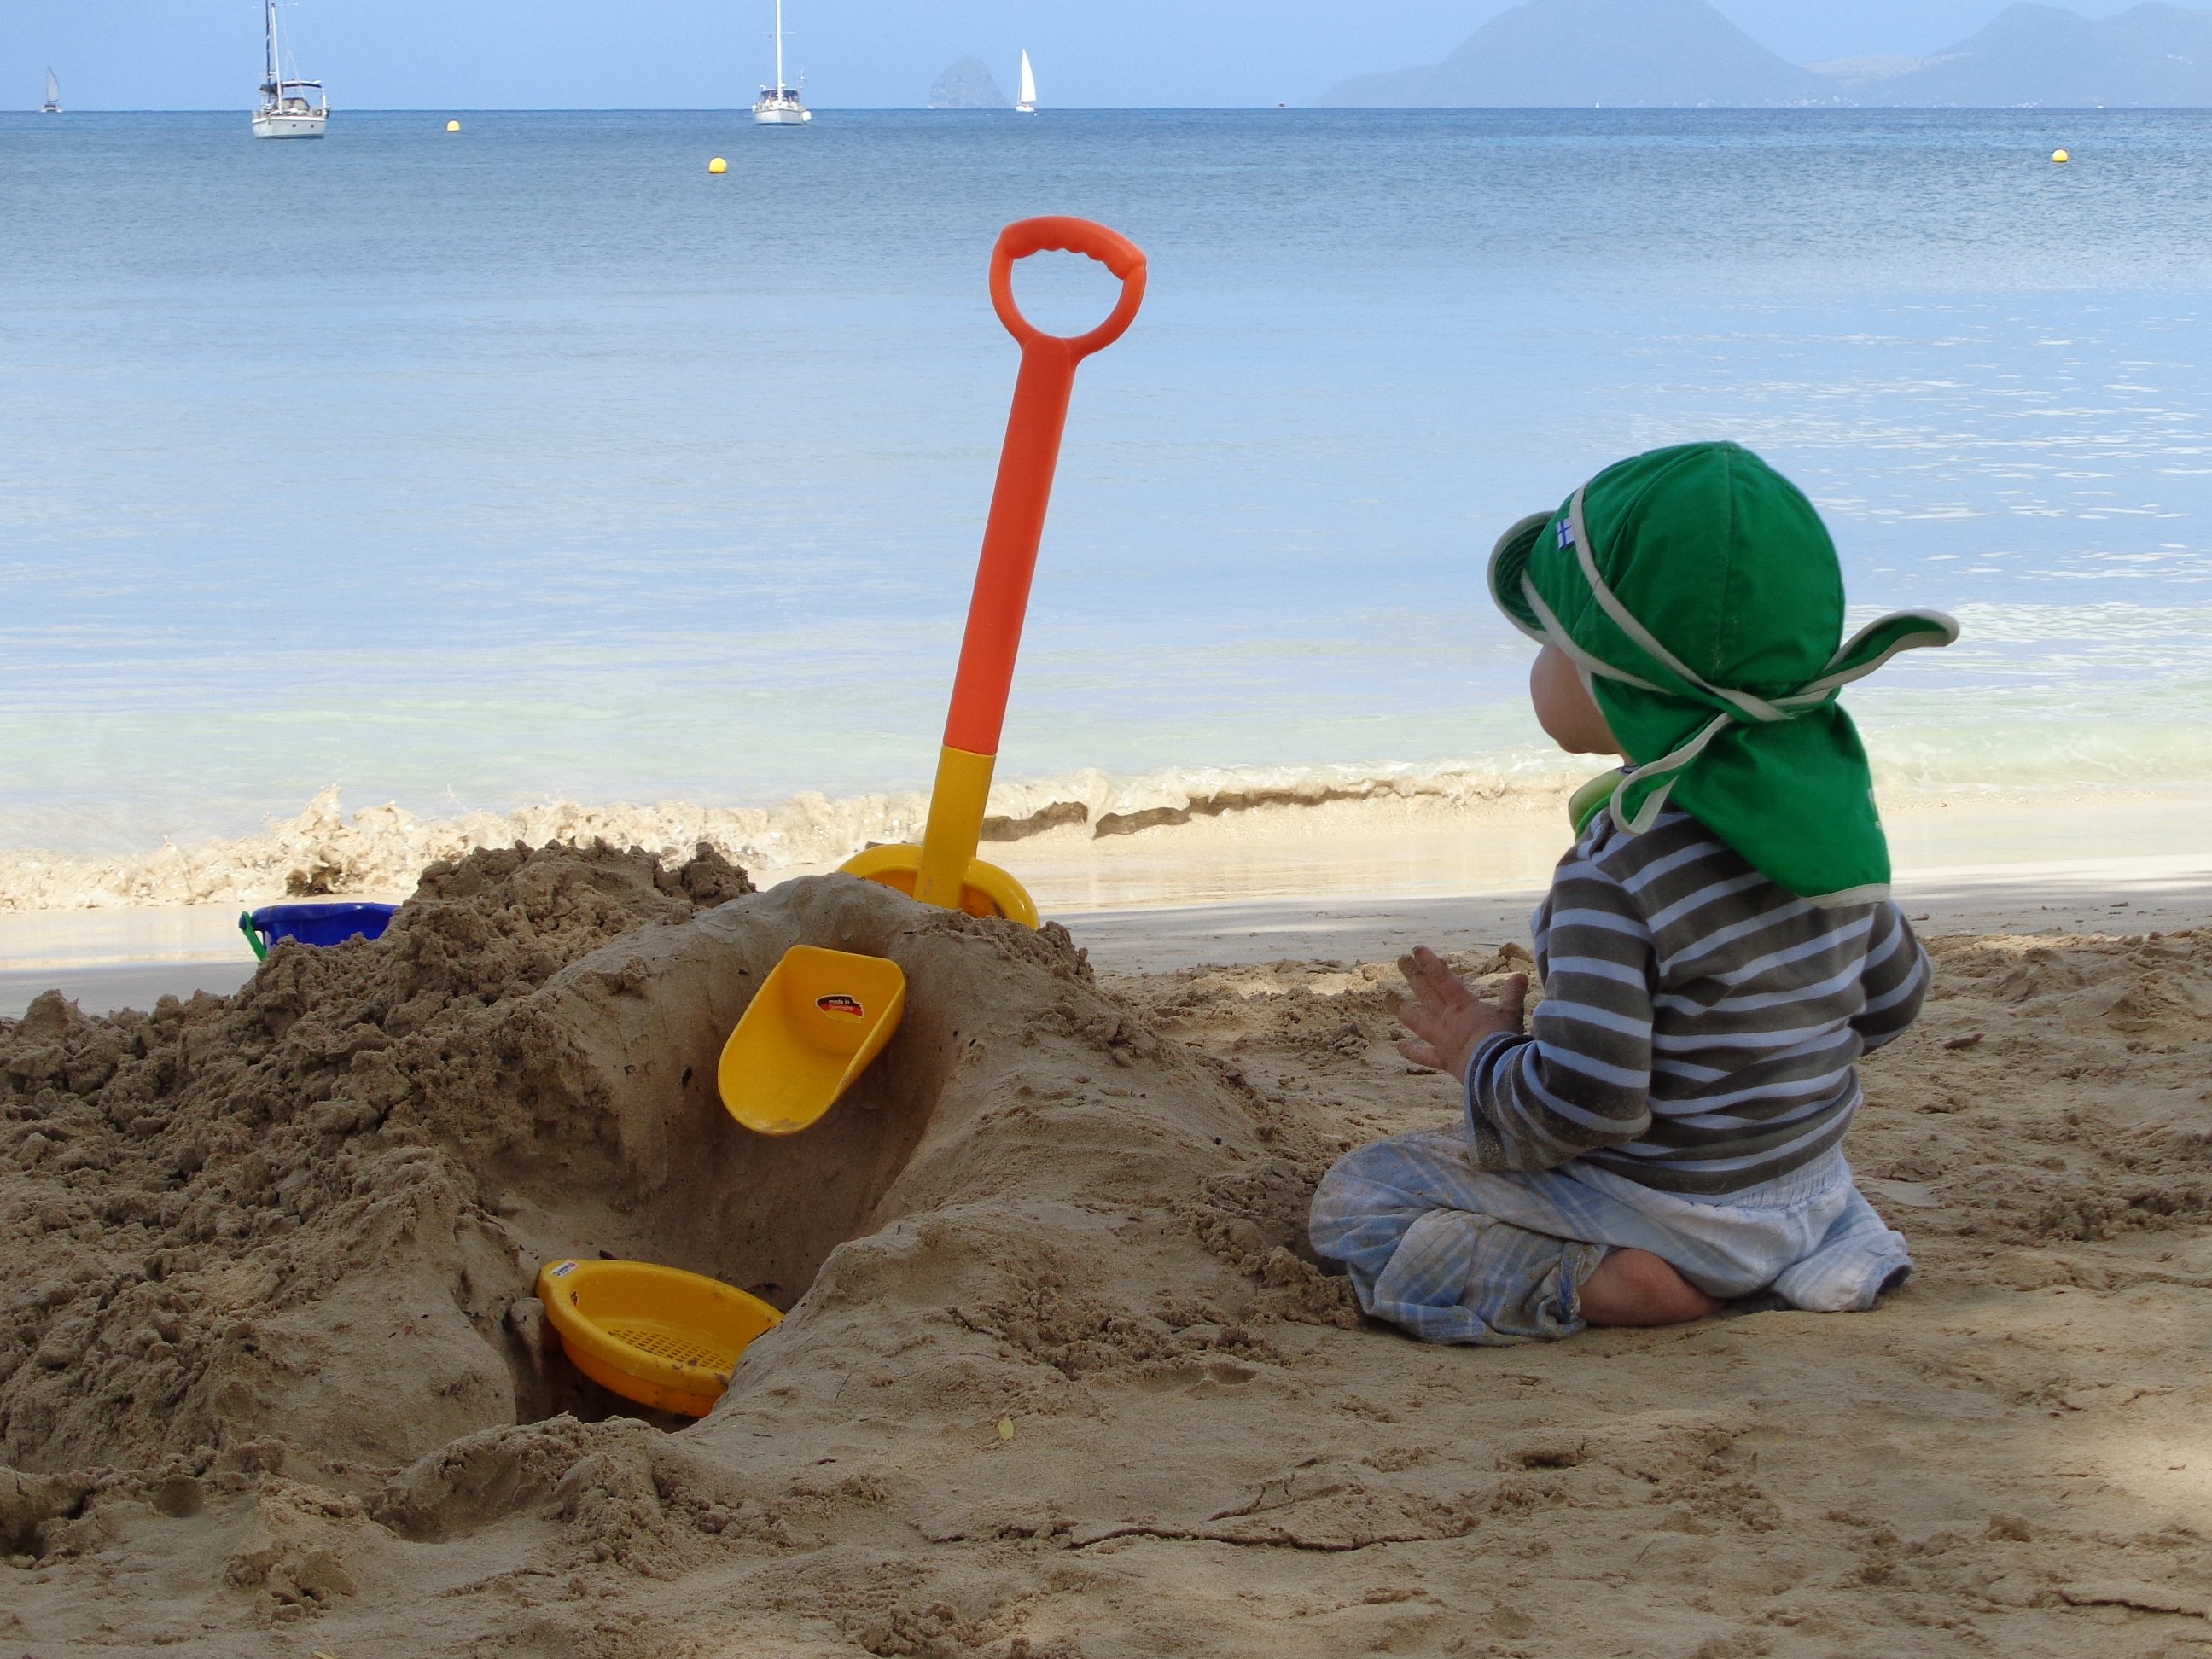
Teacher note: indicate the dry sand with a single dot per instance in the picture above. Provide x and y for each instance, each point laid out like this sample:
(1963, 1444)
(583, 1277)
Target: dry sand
(271, 1380)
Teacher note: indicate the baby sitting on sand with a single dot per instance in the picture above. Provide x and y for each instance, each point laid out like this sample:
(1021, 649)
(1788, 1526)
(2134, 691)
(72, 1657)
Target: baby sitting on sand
(1717, 950)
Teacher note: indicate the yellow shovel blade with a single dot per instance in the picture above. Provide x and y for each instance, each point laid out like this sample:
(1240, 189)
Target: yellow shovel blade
(812, 1028)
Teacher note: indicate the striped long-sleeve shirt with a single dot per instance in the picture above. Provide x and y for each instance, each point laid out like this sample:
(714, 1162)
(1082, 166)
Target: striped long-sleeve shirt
(1700, 1026)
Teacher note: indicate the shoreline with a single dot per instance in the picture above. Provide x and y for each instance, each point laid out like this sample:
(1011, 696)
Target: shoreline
(1088, 840)
(106, 960)
(1355, 864)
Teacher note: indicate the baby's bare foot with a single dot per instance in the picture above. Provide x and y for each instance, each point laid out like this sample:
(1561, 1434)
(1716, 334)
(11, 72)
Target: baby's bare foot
(1635, 1287)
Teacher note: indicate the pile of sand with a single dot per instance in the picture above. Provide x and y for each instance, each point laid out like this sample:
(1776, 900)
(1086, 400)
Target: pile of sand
(289, 1236)
(1059, 1379)
(223, 1205)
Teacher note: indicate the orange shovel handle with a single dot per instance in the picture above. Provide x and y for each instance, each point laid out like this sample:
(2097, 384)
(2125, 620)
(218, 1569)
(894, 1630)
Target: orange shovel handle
(1026, 462)
(1058, 233)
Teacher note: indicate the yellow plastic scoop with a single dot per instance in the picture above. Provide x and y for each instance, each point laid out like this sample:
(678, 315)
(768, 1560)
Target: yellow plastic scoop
(812, 1027)
(658, 1335)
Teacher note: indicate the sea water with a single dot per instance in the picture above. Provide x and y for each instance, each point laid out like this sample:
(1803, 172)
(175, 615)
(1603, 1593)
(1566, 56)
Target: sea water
(533, 463)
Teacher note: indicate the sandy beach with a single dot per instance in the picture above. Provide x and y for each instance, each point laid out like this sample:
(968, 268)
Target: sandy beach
(1061, 1376)
(596, 492)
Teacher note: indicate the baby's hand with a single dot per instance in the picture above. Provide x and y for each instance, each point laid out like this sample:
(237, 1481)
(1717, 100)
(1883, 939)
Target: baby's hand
(1450, 1022)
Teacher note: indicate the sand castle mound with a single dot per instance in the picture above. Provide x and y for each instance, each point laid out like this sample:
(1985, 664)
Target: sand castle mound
(293, 1232)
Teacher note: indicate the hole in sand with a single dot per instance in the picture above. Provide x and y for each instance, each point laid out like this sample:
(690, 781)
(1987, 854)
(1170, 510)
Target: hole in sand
(297, 1231)
(662, 1173)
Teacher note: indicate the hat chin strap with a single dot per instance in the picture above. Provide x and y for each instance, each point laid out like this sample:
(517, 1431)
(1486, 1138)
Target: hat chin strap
(1656, 803)
(1556, 635)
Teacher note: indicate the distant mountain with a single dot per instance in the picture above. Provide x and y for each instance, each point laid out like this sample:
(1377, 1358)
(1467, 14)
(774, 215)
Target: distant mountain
(967, 85)
(1569, 53)
(2151, 56)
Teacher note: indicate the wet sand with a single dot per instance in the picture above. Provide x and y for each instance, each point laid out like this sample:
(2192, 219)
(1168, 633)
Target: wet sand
(179, 953)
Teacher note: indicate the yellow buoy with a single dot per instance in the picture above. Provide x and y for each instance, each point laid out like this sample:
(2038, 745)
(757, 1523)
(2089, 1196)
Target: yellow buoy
(452, 126)
(718, 164)
(2060, 156)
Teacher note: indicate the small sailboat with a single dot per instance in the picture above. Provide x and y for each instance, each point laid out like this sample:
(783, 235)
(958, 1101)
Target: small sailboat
(1026, 104)
(780, 106)
(53, 104)
(288, 109)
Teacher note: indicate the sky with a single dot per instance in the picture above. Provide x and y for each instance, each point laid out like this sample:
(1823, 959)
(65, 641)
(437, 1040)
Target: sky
(600, 54)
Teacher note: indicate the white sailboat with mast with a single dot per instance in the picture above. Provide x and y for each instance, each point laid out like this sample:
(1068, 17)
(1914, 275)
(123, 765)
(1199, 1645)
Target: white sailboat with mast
(53, 104)
(1026, 104)
(780, 106)
(289, 108)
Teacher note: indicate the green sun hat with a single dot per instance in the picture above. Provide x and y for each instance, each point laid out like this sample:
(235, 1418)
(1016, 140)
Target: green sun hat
(1699, 594)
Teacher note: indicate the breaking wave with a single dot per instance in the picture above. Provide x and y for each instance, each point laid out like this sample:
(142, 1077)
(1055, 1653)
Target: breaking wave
(381, 849)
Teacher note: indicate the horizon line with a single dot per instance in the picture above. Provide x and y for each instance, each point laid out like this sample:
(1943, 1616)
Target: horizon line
(1824, 107)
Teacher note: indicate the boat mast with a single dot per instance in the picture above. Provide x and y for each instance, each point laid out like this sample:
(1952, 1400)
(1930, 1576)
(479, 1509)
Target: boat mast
(269, 32)
(778, 48)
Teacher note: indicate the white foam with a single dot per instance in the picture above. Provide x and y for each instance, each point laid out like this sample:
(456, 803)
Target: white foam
(379, 850)
(1089, 838)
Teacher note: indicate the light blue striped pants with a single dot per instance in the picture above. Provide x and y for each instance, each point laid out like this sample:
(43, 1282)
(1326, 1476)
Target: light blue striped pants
(1456, 1254)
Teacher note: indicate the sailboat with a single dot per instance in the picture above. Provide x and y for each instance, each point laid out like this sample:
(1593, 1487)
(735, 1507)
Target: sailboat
(53, 104)
(780, 106)
(289, 109)
(1026, 104)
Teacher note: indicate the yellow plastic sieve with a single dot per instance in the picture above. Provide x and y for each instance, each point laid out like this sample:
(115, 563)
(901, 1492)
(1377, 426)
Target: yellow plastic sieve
(658, 1335)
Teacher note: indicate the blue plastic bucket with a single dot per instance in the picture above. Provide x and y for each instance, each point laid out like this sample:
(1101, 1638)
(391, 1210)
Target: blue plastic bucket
(314, 923)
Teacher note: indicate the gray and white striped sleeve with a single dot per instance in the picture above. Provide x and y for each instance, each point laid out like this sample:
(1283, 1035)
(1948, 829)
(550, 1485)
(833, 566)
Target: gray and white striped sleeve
(1582, 1079)
(1894, 980)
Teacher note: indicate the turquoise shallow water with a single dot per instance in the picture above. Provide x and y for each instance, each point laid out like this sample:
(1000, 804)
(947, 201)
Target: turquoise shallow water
(533, 462)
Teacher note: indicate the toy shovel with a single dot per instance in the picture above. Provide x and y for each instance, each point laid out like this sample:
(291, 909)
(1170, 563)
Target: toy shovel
(821, 1015)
